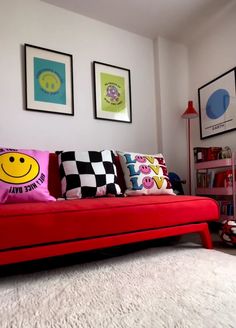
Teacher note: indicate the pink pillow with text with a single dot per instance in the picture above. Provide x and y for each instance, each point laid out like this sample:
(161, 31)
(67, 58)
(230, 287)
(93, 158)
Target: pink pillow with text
(24, 176)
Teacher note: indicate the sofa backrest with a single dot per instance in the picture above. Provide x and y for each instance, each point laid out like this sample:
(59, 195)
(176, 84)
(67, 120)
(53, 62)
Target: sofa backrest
(54, 181)
(120, 175)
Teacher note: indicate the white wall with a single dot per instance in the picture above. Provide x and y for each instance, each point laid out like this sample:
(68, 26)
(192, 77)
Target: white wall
(40, 24)
(210, 56)
(153, 129)
(172, 87)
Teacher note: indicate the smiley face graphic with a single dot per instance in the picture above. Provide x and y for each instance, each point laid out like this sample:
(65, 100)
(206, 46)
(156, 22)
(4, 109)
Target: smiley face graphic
(49, 81)
(18, 168)
(144, 169)
(148, 182)
(140, 159)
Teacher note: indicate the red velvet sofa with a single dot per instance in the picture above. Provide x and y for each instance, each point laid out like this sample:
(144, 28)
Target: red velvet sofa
(30, 231)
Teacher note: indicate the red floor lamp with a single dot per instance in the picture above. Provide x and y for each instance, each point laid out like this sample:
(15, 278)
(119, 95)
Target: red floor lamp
(189, 114)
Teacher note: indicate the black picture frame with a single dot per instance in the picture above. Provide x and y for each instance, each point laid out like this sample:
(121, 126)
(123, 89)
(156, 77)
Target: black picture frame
(112, 92)
(48, 80)
(217, 105)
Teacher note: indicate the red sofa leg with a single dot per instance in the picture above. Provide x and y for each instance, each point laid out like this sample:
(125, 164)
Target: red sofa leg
(206, 237)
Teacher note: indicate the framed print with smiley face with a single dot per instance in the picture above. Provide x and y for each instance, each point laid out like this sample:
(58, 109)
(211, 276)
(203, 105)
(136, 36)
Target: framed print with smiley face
(48, 80)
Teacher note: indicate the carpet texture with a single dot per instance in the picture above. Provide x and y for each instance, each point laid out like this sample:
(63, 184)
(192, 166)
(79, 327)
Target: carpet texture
(181, 286)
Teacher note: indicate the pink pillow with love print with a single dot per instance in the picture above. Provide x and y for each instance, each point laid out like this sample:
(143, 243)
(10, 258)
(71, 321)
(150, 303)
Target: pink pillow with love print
(24, 176)
(145, 174)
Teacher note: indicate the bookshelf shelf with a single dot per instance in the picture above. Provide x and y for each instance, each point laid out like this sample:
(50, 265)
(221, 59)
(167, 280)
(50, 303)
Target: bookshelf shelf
(214, 164)
(215, 191)
(216, 179)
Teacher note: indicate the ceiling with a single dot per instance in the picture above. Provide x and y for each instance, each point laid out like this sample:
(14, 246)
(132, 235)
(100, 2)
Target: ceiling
(178, 20)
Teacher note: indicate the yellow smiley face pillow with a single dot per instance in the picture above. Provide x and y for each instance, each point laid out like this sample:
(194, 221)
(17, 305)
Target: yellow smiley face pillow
(24, 176)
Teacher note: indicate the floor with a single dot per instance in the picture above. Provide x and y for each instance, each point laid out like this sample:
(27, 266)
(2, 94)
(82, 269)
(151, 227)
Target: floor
(219, 246)
(217, 242)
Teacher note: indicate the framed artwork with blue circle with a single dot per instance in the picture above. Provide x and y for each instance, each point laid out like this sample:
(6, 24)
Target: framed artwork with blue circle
(217, 105)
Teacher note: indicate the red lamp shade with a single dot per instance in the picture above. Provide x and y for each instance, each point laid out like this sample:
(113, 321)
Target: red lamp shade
(190, 111)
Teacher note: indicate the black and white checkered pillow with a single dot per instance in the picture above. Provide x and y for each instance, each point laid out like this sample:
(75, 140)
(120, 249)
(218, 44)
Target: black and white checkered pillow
(88, 174)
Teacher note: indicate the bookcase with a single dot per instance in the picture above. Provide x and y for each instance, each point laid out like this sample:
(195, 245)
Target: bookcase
(216, 179)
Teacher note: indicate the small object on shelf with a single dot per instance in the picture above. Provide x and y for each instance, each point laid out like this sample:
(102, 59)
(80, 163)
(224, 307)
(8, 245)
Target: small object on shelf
(223, 179)
(227, 232)
(228, 182)
(200, 154)
(213, 153)
(219, 180)
(225, 153)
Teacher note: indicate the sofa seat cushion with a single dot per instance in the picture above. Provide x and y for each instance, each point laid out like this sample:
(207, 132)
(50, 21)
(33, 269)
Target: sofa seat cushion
(44, 223)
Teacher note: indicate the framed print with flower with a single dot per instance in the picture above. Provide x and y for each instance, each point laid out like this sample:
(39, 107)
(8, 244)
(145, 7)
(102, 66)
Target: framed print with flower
(48, 80)
(112, 93)
(217, 105)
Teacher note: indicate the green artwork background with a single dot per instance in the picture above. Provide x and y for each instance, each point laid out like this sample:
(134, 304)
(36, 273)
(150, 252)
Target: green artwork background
(112, 93)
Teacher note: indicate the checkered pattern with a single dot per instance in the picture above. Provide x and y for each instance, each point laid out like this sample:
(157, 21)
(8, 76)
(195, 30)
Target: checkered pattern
(88, 174)
(227, 232)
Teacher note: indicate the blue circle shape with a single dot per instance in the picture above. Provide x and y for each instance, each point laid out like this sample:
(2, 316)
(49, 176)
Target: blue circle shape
(217, 103)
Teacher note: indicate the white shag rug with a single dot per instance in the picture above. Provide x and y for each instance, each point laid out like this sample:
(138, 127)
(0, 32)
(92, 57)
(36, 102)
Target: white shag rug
(179, 286)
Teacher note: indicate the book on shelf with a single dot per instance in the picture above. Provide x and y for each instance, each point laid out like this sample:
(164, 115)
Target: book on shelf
(211, 178)
(226, 207)
(205, 179)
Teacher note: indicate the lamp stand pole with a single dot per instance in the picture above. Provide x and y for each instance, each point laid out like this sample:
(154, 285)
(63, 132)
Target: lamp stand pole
(189, 158)
(189, 113)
